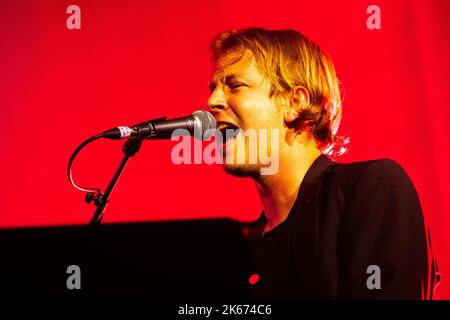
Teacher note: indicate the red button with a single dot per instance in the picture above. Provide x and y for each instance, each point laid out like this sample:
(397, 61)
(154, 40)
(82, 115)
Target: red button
(254, 278)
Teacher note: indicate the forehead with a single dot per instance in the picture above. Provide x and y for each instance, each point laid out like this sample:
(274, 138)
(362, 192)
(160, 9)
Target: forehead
(237, 64)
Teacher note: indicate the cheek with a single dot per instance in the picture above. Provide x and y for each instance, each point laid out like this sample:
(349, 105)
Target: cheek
(256, 111)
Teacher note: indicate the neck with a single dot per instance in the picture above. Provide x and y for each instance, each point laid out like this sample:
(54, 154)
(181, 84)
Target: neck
(278, 192)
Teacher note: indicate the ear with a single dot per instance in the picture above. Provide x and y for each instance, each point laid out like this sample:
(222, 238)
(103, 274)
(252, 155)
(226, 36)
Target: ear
(298, 102)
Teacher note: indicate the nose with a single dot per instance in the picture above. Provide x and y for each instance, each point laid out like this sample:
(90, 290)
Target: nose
(217, 101)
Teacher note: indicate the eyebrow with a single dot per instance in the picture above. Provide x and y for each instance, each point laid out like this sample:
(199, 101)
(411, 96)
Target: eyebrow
(227, 79)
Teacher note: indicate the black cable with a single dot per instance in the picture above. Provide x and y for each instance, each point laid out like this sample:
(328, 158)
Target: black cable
(72, 157)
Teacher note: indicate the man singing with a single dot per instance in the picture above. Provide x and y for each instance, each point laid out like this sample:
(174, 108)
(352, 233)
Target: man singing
(328, 230)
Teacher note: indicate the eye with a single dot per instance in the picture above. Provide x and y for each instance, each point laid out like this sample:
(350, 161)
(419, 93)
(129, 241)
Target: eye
(235, 85)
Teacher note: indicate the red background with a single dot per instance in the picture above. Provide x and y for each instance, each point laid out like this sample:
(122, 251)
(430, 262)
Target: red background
(137, 60)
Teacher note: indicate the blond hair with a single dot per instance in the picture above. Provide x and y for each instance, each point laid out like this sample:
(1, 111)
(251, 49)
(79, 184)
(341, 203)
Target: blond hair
(288, 59)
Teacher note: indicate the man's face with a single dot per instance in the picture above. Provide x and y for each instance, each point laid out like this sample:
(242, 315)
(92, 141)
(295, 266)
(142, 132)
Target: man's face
(240, 99)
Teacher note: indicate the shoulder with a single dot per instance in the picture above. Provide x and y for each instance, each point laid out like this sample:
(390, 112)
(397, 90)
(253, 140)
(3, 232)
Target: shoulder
(369, 184)
(371, 171)
(384, 165)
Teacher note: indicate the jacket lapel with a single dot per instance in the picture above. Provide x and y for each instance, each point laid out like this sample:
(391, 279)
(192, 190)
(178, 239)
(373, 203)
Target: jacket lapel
(306, 229)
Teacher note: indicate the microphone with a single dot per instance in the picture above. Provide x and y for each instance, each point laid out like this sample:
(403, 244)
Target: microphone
(201, 124)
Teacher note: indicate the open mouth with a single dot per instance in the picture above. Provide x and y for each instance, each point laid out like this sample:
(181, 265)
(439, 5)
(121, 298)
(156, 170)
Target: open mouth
(227, 130)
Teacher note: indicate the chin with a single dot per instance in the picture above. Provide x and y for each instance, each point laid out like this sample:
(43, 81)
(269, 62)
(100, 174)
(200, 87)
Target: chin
(241, 170)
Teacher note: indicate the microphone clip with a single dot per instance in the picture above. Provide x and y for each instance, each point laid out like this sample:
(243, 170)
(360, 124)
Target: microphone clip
(94, 196)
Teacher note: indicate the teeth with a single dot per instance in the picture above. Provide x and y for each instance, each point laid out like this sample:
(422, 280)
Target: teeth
(222, 126)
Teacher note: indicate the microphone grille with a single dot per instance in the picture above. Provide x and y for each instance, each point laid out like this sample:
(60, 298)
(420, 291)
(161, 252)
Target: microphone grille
(207, 121)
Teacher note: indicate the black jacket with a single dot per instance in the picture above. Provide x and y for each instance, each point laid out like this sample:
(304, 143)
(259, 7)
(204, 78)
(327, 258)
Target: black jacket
(348, 220)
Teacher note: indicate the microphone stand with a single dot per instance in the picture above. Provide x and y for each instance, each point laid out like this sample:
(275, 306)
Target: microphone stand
(130, 148)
